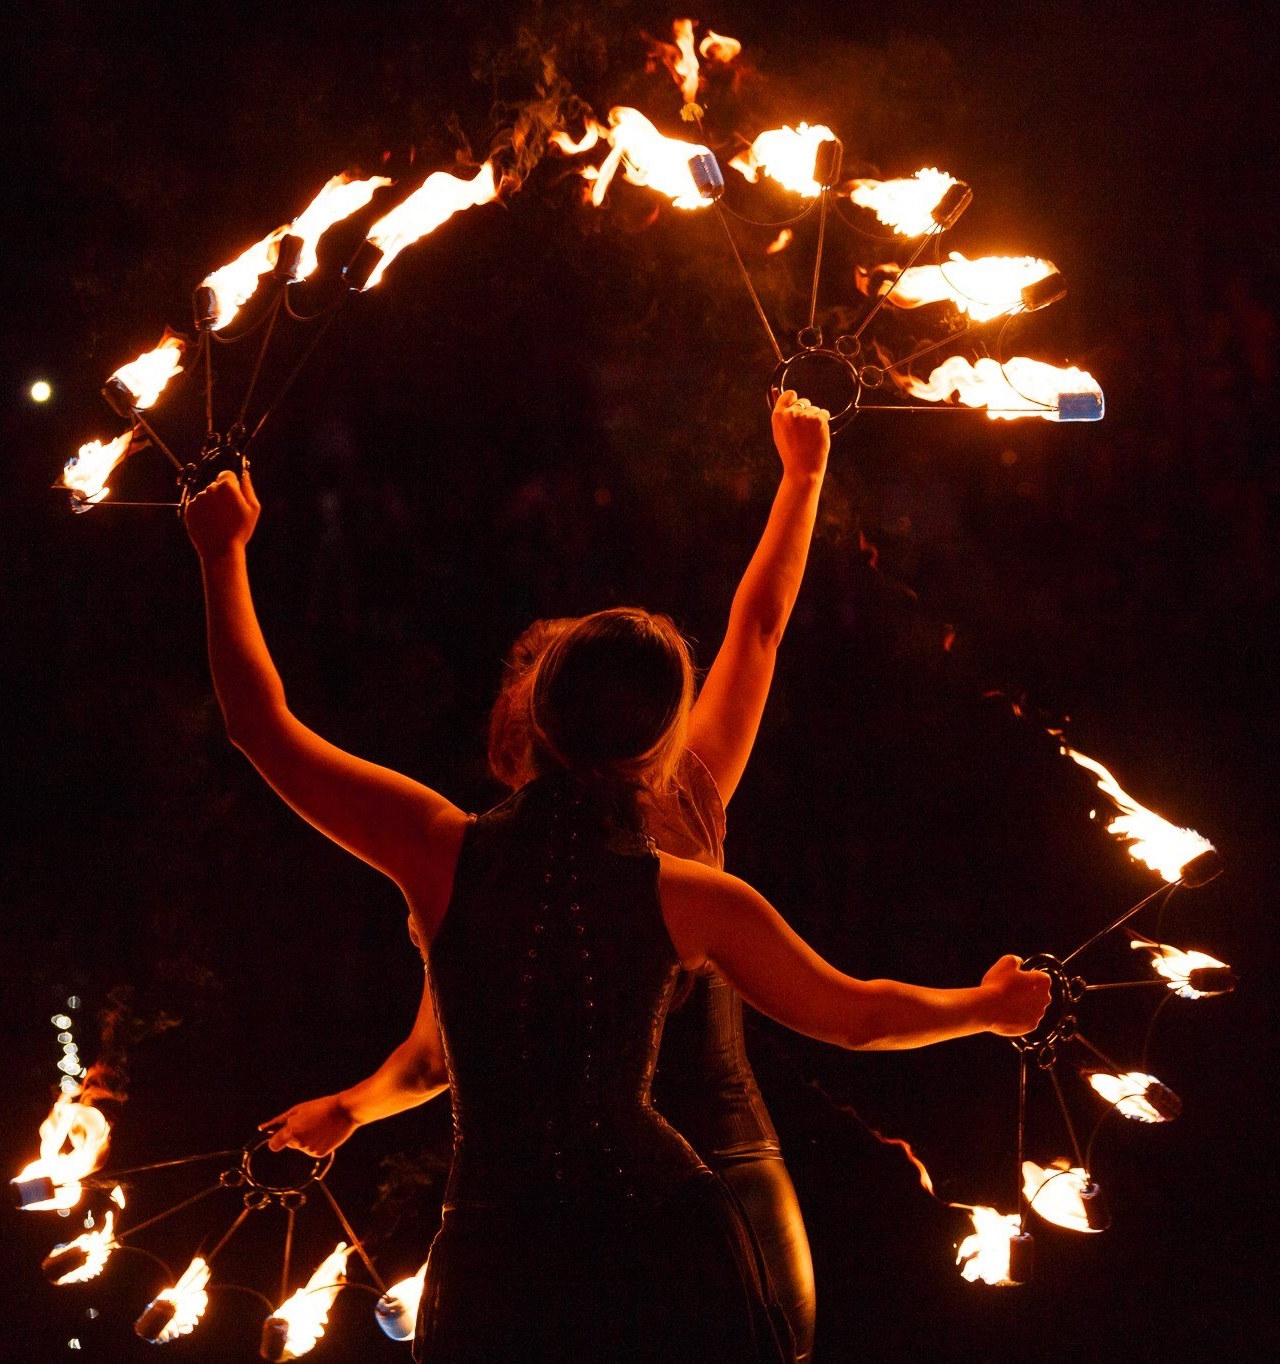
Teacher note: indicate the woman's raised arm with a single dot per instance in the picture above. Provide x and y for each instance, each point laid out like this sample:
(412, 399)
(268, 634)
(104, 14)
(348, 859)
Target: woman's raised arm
(726, 716)
(713, 917)
(395, 824)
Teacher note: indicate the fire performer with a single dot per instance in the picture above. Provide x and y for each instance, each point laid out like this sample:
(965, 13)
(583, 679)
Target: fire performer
(578, 1224)
(704, 1084)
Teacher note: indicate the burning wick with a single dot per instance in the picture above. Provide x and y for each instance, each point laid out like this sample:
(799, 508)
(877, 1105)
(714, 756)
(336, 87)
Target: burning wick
(397, 1310)
(804, 160)
(137, 386)
(175, 1311)
(986, 288)
(81, 1259)
(997, 1251)
(73, 1142)
(1064, 1195)
(1136, 1095)
(295, 1326)
(910, 207)
(1191, 975)
(1017, 388)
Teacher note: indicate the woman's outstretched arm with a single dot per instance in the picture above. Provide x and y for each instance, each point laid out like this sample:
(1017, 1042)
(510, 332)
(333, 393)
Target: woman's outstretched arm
(722, 728)
(713, 917)
(412, 1074)
(385, 818)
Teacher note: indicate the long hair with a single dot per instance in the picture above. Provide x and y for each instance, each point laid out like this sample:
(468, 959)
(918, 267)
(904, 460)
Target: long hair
(606, 697)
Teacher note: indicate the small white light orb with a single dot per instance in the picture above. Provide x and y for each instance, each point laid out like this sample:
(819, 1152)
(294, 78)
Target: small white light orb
(41, 391)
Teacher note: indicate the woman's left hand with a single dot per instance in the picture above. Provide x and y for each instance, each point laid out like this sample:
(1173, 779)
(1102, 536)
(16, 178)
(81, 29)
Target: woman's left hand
(222, 516)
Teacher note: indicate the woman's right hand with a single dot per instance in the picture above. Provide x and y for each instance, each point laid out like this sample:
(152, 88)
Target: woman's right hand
(1017, 998)
(315, 1127)
(222, 516)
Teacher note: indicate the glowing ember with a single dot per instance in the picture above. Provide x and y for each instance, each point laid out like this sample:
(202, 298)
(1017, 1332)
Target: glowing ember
(787, 156)
(1135, 1095)
(188, 1298)
(983, 288)
(73, 1142)
(1162, 846)
(1018, 388)
(906, 206)
(307, 1311)
(1176, 966)
(1056, 1193)
(434, 202)
(397, 1309)
(87, 471)
(646, 157)
(339, 199)
(984, 1253)
(147, 376)
(96, 1246)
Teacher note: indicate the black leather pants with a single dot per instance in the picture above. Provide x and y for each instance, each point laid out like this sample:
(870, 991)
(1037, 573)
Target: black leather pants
(764, 1190)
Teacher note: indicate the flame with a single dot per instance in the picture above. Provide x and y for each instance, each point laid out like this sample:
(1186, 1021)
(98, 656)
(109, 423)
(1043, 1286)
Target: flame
(780, 242)
(715, 47)
(189, 1297)
(397, 1310)
(338, 199)
(307, 1311)
(984, 1254)
(983, 288)
(73, 1141)
(646, 157)
(684, 66)
(589, 138)
(1128, 1093)
(1018, 388)
(1176, 966)
(904, 205)
(147, 376)
(434, 202)
(1164, 847)
(1054, 1191)
(234, 284)
(97, 1245)
(785, 155)
(87, 471)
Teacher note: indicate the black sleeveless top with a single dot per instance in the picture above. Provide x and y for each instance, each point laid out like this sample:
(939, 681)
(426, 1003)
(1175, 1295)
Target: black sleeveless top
(551, 974)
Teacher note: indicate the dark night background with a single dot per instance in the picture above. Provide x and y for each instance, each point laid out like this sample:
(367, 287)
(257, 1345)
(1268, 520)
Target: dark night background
(545, 409)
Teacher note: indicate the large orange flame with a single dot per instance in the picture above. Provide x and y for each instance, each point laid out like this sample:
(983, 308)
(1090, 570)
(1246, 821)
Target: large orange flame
(147, 376)
(1018, 388)
(97, 1246)
(787, 156)
(233, 285)
(646, 157)
(1162, 846)
(1176, 965)
(73, 1142)
(684, 67)
(307, 1311)
(434, 202)
(87, 471)
(190, 1299)
(984, 1253)
(982, 288)
(905, 206)
(1056, 1192)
